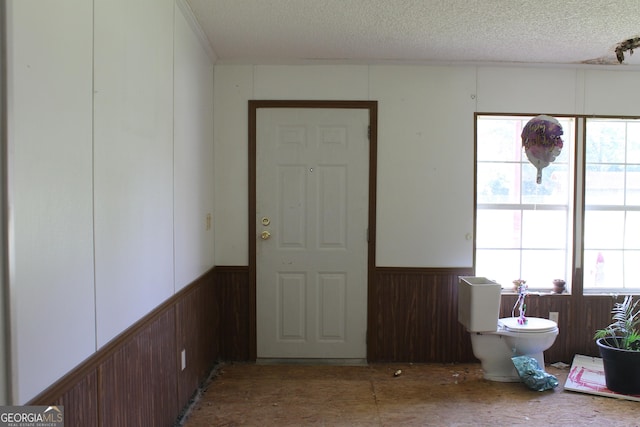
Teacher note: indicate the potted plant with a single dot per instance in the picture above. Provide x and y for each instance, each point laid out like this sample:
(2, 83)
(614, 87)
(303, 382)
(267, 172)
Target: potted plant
(619, 345)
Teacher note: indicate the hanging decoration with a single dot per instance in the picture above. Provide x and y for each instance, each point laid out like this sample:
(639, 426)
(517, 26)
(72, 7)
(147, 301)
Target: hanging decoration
(542, 142)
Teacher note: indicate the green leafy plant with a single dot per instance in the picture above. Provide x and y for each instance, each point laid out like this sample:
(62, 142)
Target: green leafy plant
(624, 329)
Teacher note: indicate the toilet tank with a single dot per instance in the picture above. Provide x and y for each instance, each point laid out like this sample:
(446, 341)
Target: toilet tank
(478, 303)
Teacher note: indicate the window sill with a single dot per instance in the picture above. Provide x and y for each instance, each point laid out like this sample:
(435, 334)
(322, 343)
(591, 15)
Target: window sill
(541, 293)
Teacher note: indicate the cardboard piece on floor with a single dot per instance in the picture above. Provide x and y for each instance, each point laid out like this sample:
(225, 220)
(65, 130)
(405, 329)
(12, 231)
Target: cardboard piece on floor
(587, 376)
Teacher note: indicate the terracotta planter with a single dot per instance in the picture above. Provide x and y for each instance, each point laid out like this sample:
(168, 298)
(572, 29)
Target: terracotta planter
(621, 367)
(558, 286)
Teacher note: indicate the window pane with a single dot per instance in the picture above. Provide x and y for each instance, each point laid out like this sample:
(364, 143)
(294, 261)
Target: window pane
(632, 232)
(498, 182)
(503, 266)
(544, 229)
(605, 141)
(633, 142)
(604, 185)
(541, 267)
(603, 230)
(603, 269)
(568, 124)
(498, 228)
(499, 139)
(631, 259)
(633, 185)
(554, 188)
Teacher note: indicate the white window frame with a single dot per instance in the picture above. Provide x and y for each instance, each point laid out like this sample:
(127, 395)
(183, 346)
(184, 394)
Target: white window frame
(590, 271)
(520, 204)
(578, 276)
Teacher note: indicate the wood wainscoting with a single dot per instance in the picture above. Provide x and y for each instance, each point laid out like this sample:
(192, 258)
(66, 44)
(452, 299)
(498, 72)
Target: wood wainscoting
(232, 286)
(578, 318)
(413, 317)
(136, 379)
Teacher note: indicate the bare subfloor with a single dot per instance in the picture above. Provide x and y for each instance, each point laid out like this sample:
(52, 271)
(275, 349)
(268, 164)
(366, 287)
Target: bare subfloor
(422, 395)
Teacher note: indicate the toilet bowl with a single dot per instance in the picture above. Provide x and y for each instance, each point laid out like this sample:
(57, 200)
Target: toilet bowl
(495, 349)
(495, 341)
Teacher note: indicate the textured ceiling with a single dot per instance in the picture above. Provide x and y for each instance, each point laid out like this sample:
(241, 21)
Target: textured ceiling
(431, 31)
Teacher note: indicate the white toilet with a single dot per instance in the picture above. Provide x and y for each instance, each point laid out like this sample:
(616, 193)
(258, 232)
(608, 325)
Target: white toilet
(495, 341)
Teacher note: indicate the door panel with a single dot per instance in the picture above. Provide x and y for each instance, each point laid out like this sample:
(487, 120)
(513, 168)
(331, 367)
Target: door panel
(312, 200)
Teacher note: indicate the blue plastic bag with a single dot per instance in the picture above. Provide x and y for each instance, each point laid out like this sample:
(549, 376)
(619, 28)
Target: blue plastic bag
(532, 375)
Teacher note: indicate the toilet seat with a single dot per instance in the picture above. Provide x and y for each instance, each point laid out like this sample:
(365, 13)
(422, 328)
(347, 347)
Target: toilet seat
(533, 325)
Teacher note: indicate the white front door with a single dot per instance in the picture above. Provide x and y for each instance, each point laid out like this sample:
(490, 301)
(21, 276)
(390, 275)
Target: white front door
(312, 169)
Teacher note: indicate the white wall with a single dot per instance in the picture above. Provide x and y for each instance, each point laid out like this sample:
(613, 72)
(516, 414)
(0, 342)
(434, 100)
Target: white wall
(133, 129)
(192, 155)
(528, 90)
(50, 190)
(611, 93)
(94, 155)
(425, 169)
(425, 140)
(232, 88)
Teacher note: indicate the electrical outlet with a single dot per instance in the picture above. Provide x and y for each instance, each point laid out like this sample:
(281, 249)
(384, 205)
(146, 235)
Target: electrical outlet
(553, 315)
(183, 359)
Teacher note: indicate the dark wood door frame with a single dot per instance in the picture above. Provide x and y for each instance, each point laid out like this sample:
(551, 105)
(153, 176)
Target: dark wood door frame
(372, 106)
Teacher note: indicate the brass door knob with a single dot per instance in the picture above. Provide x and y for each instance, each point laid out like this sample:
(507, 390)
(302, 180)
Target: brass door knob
(265, 235)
